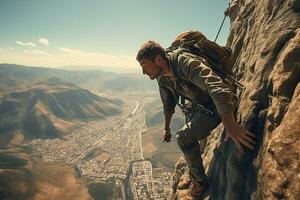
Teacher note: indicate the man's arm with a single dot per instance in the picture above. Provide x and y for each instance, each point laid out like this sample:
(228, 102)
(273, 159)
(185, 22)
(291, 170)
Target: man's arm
(169, 101)
(167, 134)
(197, 70)
(168, 118)
(204, 77)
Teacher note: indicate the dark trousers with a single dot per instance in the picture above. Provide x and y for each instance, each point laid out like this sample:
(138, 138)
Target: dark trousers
(188, 140)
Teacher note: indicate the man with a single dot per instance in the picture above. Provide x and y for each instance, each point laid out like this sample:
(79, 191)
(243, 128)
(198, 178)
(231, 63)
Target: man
(198, 83)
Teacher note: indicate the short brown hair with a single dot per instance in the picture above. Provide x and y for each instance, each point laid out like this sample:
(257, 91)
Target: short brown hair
(150, 50)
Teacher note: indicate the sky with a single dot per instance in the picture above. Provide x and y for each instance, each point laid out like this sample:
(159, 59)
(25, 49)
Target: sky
(107, 33)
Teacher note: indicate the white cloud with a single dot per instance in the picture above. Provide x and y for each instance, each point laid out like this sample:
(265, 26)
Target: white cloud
(71, 51)
(44, 41)
(36, 52)
(80, 57)
(68, 56)
(25, 43)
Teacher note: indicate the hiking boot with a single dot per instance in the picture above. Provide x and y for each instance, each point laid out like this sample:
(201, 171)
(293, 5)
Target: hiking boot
(184, 182)
(198, 190)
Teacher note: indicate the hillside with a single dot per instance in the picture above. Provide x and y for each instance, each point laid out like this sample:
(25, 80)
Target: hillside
(34, 108)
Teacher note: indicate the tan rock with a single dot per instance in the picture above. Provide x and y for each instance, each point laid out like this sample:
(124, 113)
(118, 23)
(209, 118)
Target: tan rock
(265, 38)
(280, 168)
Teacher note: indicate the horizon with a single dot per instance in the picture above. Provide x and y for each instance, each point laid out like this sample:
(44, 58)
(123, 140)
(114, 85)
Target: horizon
(105, 34)
(79, 68)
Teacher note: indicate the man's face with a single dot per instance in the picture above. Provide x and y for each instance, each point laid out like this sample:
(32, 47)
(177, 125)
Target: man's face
(150, 68)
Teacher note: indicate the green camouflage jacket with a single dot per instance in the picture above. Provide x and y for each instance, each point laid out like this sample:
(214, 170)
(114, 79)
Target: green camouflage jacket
(196, 82)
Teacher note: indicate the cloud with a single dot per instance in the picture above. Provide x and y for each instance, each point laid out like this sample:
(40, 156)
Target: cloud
(67, 56)
(96, 58)
(71, 51)
(3, 50)
(80, 57)
(36, 52)
(44, 41)
(25, 43)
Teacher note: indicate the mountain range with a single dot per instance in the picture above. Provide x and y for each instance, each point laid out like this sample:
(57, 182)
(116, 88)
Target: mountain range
(49, 103)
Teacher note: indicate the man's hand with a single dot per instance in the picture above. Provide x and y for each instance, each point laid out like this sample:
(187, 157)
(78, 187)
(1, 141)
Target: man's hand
(166, 137)
(237, 133)
(240, 136)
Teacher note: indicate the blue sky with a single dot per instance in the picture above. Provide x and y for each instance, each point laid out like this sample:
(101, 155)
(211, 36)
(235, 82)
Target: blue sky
(54, 33)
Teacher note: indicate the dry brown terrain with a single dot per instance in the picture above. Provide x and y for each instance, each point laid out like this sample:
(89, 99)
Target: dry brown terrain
(58, 183)
(39, 181)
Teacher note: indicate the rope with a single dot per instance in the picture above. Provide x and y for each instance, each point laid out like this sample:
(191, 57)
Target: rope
(220, 28)
(221, 25)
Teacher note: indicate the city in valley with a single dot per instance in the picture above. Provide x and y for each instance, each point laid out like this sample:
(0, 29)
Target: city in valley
(110, 150)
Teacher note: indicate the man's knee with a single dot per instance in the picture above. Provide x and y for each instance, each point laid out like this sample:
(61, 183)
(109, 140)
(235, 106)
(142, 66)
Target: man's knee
(180, 139)
(184, 139)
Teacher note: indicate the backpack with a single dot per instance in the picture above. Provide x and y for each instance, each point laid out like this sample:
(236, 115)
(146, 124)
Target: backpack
(217, 56)
(196, 43)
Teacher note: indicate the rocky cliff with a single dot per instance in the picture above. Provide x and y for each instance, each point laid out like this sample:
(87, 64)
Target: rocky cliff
(265, 38)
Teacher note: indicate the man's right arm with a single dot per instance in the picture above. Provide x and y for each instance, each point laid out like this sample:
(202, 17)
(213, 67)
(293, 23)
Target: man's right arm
(168, 118)
(167, 134)
(169, 101)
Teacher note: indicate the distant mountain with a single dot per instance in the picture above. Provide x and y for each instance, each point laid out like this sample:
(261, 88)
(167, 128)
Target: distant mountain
(35, 104)
(13, 75)
(95, 80)
(120, 70)
(130, 83)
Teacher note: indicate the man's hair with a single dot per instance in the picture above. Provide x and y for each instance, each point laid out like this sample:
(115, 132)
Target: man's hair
(150, 50)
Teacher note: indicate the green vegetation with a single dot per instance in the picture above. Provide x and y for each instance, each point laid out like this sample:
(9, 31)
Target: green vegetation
(105, 191)
(16, 182)
(11, 162)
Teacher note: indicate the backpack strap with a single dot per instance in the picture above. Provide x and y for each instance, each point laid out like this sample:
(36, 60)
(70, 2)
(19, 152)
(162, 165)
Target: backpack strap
(174, 62)
(173, 59)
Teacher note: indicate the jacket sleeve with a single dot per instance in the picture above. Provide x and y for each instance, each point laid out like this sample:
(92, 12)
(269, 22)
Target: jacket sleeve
(169, 100)
(197, 70)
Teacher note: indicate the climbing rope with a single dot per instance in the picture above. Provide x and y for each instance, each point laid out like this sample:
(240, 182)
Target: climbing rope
(220, 28)
(221, 25)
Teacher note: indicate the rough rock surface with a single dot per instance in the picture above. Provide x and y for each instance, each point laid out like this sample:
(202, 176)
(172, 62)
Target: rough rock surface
(265, 38)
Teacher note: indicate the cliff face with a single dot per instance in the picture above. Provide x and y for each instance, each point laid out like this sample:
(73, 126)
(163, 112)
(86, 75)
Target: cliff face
(265, 38)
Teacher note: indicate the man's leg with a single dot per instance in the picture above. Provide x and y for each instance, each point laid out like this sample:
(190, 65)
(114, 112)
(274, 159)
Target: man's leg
(187, 139)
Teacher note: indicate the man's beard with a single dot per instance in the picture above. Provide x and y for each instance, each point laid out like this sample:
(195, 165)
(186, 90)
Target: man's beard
(154, 76)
